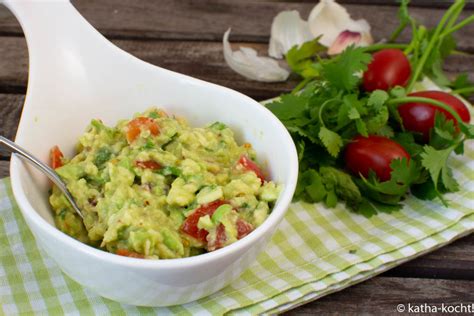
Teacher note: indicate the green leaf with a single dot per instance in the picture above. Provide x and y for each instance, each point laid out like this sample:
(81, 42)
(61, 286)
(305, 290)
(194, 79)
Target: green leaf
(341, 71)
(403, 174)
(353, 114)
(424, 191)
(467, 129)
(464, 85)
(361, 128)
(300, 58)
(310, 185)
(331, 199)
(331, 140)
(449, 183)
(407, 141)
(435, 161)
(289, 106)
(377, 99)
(378, 121)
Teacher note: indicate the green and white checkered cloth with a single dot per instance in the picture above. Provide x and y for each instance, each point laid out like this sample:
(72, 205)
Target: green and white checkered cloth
(314, 252)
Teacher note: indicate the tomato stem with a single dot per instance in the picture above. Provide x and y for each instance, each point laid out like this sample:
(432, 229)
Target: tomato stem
(403, 100)
(376, 47)
(458, 26)
(301, 85)
(434, 39)
(463, 90)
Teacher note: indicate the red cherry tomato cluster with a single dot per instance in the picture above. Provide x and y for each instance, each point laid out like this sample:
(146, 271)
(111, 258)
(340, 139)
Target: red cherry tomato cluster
(390, 68)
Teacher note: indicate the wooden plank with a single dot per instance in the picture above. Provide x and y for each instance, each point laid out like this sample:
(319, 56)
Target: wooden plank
(208, 19)
(4, 169)
(381, 295)
(455, 261)
(199, 59)
(10, 111)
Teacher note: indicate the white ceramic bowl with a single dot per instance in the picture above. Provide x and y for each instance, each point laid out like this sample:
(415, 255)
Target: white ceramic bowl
(76, 75)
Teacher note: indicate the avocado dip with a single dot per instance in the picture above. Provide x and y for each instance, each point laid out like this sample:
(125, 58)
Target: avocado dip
(154, 187)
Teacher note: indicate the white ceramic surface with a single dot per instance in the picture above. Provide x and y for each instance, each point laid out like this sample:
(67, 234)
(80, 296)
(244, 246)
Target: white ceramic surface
(75, 75)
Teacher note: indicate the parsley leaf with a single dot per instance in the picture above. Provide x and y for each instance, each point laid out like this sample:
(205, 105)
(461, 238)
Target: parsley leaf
(341, 71)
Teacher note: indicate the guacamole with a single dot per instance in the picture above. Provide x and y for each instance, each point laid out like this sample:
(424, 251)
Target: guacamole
(154, 187)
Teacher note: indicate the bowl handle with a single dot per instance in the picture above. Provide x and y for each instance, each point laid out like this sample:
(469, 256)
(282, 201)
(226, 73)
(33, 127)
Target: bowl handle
(57, 36)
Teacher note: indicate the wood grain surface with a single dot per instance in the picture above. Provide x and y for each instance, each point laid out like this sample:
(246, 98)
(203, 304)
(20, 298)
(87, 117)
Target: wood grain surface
(185, 36)
(381, 295)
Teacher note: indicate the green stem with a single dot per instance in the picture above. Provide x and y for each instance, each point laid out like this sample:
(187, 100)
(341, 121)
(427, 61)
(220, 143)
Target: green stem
(463, 90)
(301, 85)
(432, 42)
(397, 32)
(447, 108)
(376, 47)
(321, 111)
(458, 26)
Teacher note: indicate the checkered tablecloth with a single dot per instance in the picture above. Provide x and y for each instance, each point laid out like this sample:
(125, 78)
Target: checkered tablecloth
(315, 251)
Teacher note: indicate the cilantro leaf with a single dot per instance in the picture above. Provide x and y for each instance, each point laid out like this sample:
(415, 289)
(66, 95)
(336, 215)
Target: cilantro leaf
(407, 141)
(376, 122)
(289, 106)
(435, 161)
(331, 140)
(315, 188)
(377, 99)
(341, 71)
(300, 58)
(463, 85)
(403, 174)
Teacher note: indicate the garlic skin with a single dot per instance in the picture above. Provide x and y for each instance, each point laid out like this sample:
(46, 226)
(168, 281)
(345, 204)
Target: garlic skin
(329, 19)
(246, 63)
(288, 29)
(345, 39)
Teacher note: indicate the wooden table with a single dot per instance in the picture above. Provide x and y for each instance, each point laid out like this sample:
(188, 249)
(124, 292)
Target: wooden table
(185, 36)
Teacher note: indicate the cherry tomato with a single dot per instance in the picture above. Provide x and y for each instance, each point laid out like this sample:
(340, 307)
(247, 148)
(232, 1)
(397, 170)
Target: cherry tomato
(251, 166)
(373, 153)
(221, 238)
(134, 127)
(388, 68)
(419, 117)
(243, 228)
(131, 254)
(148, 164)
(190, 224)
(56, 157)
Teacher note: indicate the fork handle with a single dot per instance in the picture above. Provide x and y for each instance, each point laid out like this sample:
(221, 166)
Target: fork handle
(49, 172)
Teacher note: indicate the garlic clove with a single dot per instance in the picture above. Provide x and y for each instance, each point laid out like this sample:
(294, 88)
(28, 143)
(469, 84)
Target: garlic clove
(247, 63)
(345, 39)
(328, 19)
(288, 29)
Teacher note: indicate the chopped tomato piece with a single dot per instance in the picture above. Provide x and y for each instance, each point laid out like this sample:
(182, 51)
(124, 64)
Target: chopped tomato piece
(128, 253)
(136, 125)
(220, 239)
(251, 166)
(149, 164)
(243, 228)
(190, 224)
(56, 157)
